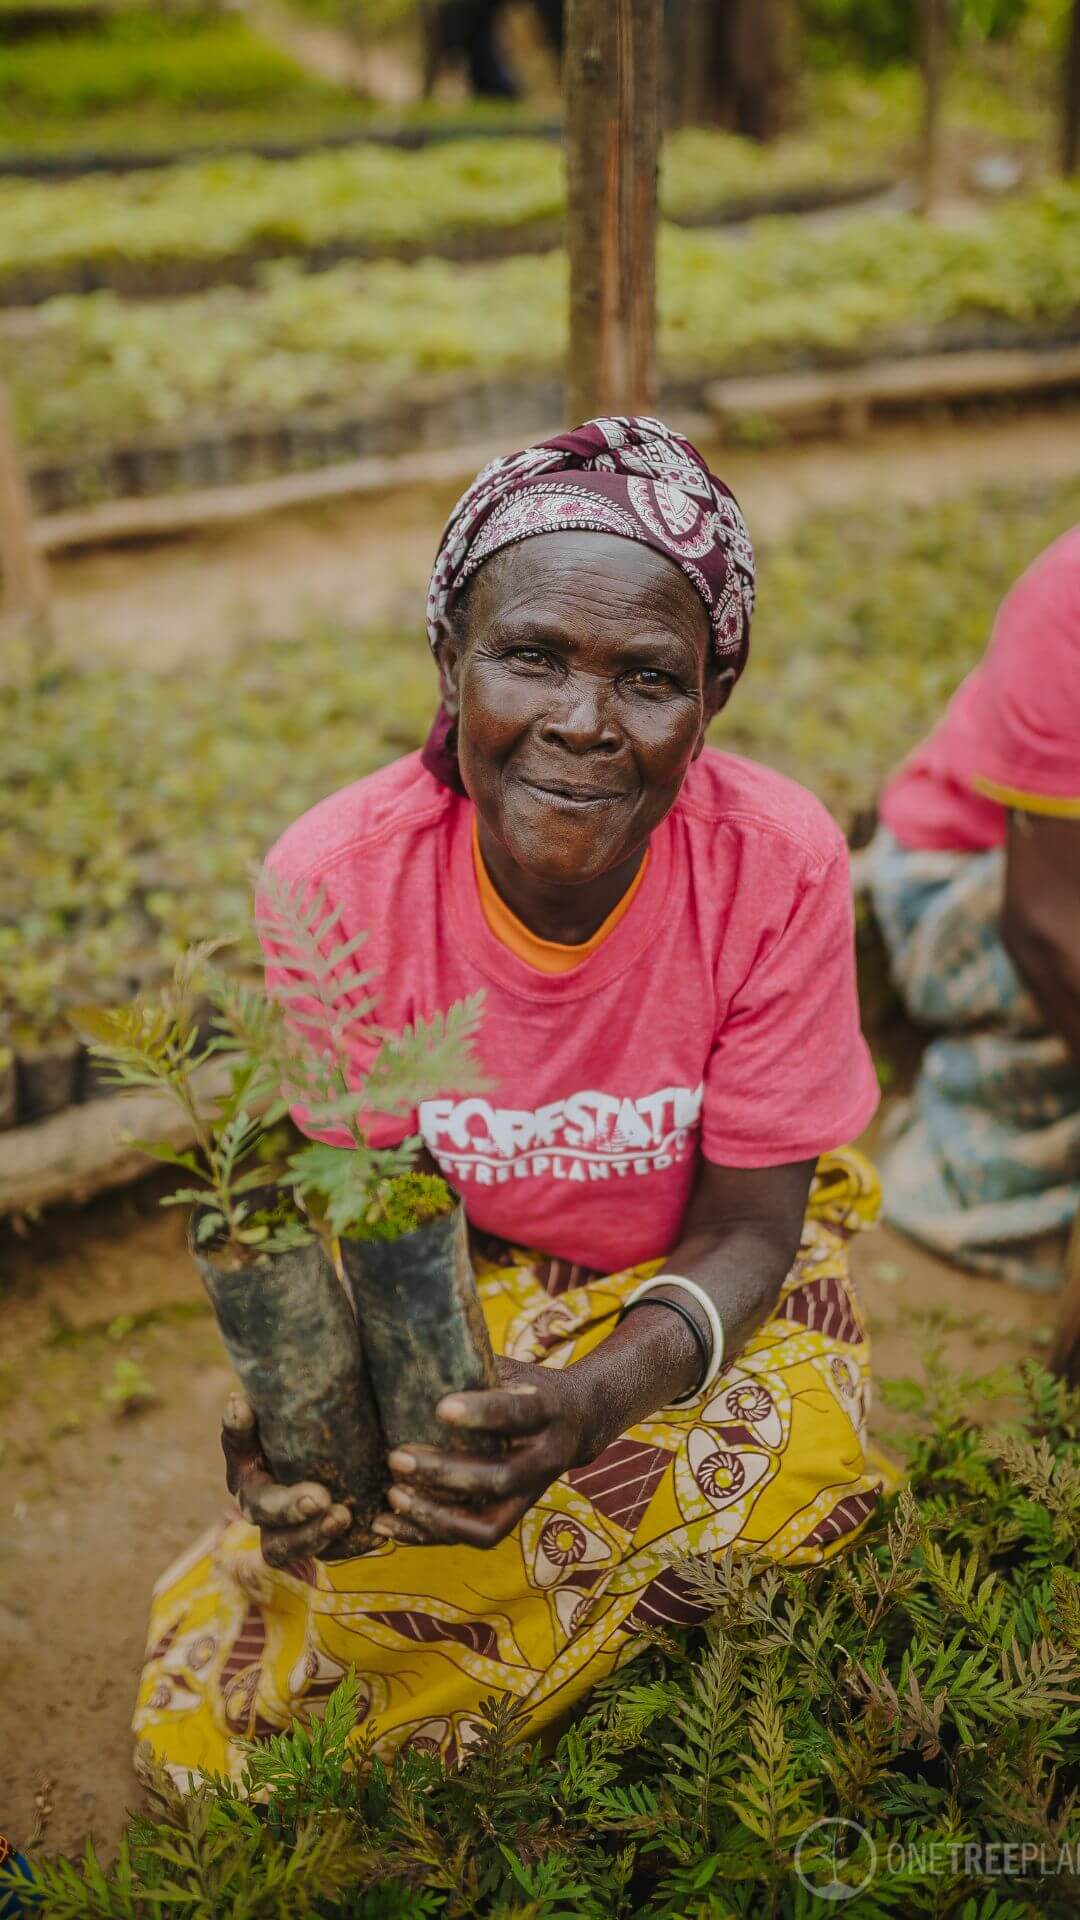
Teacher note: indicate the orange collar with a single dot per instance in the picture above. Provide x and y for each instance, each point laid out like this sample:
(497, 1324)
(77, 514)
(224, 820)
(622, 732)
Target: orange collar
(547, 956)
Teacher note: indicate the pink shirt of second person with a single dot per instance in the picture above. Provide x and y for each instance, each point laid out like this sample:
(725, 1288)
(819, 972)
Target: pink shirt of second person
(1010, 737)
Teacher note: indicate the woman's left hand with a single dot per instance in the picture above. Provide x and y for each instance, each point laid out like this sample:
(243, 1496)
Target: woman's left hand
(443, 1497)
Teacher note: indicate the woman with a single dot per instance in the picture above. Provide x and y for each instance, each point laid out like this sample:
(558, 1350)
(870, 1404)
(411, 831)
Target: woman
(975, 873)
(664, 938)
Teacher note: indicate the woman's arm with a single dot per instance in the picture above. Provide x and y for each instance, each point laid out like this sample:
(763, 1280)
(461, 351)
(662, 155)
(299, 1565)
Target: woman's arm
(741, 1235)
(1040, 923)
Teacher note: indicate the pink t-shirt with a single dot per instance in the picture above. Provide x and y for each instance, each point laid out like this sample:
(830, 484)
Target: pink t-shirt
(1010, 736)
(720, 1013)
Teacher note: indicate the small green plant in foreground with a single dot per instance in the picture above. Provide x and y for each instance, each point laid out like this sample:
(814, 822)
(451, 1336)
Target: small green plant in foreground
(158, 1044)
(361, 1191)
(272, 1051)
(924, 1687)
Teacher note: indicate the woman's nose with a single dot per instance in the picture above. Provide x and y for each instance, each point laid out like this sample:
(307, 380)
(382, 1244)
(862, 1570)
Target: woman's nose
(580, 717)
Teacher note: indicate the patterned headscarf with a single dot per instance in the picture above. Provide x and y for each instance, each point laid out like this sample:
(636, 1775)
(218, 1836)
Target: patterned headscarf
(629, 476)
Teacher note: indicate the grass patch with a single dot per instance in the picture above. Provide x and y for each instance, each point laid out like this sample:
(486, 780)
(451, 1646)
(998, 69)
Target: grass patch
(190, 62)
(133, 804)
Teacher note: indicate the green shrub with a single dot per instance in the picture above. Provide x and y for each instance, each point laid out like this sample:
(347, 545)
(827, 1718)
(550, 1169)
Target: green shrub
(925, 1688)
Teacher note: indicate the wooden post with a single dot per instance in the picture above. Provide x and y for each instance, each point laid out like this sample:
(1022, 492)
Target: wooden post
(1071, 143)
(933, 33)
(23, 578)
(613, 74)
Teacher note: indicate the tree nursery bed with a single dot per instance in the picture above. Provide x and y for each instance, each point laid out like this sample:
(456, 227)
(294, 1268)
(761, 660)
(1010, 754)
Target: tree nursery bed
(286, 135)
(114, 397)
(147, 232)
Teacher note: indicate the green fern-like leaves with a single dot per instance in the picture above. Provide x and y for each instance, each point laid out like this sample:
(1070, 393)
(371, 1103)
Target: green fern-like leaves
(267, 1052)
(924, 1686)
(327, 1018)
(427, 1058)
(703, 1719)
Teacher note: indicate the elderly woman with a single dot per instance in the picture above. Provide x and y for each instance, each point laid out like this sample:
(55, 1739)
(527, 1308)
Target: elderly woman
(975, 873)
(664, 937)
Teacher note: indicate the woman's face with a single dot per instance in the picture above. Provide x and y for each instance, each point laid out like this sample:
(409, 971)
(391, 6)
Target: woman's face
(581, 673)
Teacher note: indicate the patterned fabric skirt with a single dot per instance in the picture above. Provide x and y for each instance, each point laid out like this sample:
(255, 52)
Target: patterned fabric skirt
(770, 1460)
(983, 1163)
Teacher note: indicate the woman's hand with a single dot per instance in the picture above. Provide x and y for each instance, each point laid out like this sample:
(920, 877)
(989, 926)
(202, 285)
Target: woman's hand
(295, 1523)
(442, 1497)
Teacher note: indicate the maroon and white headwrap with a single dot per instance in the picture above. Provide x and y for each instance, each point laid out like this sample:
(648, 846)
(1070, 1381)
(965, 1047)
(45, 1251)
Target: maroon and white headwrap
(629, 476)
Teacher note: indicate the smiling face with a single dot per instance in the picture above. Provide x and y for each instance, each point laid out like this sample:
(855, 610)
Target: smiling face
(581, 671)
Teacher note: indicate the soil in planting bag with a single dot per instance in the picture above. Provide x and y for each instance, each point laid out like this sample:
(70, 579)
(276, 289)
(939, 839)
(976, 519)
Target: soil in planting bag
(290, 1333)
(423, 1329)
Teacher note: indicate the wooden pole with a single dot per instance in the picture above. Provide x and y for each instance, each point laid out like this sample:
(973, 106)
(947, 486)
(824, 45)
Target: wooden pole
(933, 30)
(23, 577)
(1071, 142)
(613, 78)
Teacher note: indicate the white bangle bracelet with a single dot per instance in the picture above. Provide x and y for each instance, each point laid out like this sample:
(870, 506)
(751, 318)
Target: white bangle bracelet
(712, 1315)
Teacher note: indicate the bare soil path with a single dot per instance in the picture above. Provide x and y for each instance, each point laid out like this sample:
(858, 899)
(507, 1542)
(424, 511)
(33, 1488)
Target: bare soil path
(367, 560)
(95, 1502)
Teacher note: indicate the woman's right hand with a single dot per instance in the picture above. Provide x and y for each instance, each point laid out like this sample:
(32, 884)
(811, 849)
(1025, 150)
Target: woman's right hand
(296, 1523)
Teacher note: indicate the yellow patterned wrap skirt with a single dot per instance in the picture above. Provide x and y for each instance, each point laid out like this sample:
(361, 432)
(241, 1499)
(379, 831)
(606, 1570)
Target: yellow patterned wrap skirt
(770, 1460)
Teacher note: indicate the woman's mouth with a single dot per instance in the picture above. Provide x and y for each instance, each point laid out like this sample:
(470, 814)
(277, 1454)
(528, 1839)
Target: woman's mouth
(562, 793)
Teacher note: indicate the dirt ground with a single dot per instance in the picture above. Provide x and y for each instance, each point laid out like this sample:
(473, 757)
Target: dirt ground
(110, 1391)
(368, 560)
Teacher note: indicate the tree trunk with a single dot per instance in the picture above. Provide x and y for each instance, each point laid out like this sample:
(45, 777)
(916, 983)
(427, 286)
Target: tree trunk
(691, 57)
(1071, 144)
(761, 42)
(613, 66)
(933, 29)
(733, 63)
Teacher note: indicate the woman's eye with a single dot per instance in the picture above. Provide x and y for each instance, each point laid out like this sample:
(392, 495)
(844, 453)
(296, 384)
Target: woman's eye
(528, 656)
(651, 680)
